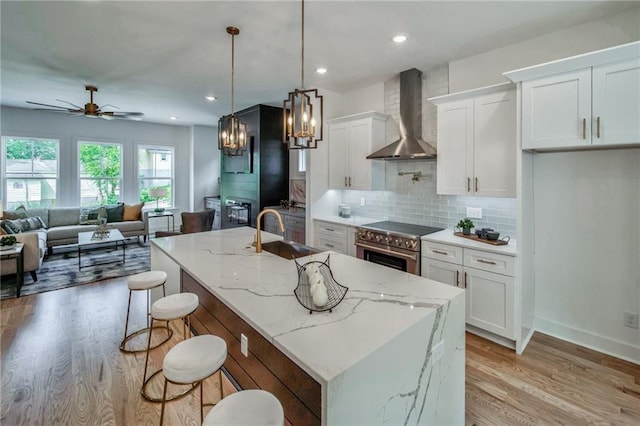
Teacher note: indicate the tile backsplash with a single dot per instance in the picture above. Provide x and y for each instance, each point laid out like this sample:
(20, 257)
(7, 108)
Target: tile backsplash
(406, 200)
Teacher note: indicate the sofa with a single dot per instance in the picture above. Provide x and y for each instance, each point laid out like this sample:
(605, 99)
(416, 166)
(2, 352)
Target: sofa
(61, 226)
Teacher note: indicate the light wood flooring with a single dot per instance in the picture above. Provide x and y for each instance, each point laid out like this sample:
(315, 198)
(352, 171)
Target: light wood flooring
(61, 366)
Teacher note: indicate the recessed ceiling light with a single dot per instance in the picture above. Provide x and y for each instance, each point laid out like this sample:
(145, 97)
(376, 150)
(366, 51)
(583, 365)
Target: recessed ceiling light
(400, 38)
(210, 98)
(173, 118)
(321, 70)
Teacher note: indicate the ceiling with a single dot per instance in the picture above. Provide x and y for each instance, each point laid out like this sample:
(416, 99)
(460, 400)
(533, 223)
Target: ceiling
(163, 57)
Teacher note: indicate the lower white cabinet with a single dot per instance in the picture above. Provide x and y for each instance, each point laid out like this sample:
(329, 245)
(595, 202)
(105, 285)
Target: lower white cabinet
(335, 237)
(488, 279)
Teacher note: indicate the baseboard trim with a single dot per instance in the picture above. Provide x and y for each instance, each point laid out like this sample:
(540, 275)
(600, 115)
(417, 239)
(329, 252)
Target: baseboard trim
(490, 336)
(589, 340)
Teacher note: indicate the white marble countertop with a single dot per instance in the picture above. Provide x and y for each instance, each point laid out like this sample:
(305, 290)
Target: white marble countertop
(351, 221)
(380, 304)
(446, 237)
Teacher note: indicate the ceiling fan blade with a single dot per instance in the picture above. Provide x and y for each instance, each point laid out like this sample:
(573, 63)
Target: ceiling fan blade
(108, 115)
(47, 105)
(67, 102)
(108, 105)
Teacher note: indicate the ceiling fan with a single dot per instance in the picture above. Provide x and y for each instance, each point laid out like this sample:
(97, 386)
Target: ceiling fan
(90, 109)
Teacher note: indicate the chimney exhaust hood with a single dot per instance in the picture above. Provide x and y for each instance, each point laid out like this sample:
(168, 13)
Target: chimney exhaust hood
(410, 146)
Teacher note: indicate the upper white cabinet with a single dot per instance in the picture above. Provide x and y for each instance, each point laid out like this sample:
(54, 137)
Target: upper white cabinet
(592, 106)
(586, 101)
(351, 139)
(477, 142)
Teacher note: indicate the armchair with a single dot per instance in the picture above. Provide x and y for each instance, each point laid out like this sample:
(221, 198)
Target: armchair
(192, 222)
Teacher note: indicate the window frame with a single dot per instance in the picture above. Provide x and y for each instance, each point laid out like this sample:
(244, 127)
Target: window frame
(5, 177)
(172, 178)
(81, 142)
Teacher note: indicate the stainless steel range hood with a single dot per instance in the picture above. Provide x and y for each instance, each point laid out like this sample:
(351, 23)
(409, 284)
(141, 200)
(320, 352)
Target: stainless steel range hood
(410, 146)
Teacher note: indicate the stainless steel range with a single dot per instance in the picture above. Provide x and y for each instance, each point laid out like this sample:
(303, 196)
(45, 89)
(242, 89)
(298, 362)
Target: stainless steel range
(392, 244)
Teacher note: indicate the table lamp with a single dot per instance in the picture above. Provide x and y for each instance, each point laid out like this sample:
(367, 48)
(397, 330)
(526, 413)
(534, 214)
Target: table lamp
(158, 193)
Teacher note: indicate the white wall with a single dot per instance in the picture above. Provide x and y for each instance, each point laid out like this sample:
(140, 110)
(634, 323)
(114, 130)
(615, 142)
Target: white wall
(587, 247)
(70, 129)
(205, 165)
(486, 68)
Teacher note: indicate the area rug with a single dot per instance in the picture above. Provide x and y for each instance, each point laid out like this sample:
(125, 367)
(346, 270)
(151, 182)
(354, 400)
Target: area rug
(60, 270)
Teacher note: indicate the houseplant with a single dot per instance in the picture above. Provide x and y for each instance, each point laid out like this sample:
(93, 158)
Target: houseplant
(7, 242)
(465, 224)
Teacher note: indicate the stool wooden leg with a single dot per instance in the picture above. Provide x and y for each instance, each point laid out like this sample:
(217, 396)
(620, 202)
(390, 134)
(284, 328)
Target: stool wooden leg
(146, 362)
(201, 405)
(126, 322)
(164, 397)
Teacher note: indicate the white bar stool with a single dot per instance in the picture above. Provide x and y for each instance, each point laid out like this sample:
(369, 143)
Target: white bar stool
(169, 308)
(249, 407)
(191, 362)
(144, 281)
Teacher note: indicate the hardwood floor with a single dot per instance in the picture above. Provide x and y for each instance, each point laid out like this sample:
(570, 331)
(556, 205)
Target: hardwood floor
(61, 366)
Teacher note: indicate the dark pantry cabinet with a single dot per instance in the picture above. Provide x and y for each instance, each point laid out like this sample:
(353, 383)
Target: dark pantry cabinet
(261, 178)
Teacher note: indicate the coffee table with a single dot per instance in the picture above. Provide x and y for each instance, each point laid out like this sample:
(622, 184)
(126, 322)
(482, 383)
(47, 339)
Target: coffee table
(86, 244)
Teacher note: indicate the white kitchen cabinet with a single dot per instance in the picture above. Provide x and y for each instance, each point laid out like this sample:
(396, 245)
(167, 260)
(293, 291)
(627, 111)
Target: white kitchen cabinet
(352, 250)
(488, 279)
(477, 142)
(331, 236)
(589, 107)
(351, 139)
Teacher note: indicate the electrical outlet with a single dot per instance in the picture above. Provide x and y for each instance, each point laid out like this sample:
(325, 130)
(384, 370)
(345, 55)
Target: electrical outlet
(630, 319)
(474, 212)
(362, 201)
(437, 351)
(244, 345)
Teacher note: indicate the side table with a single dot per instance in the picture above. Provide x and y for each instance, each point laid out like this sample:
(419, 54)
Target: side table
(16, 253)
(168, 215)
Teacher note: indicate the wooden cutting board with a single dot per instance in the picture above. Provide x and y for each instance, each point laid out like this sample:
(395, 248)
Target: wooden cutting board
(474, 237)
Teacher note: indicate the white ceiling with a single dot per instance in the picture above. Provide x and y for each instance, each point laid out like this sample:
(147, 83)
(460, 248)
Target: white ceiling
(163, 57)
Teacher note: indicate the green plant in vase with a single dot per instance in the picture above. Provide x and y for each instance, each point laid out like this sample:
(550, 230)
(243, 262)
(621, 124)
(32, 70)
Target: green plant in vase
(7, 241)
(465, 224)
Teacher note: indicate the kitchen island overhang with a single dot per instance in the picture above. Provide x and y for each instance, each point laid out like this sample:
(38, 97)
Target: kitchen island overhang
(392, 352)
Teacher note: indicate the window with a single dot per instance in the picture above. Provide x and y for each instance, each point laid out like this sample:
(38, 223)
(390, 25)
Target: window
(30, 172)
(155, 170)
(100, 173)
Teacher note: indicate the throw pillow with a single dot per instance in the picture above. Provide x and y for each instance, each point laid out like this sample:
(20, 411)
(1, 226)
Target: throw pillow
(133, 212)
(115, 212)
(89, 215)
(22, 225)
(19, 213)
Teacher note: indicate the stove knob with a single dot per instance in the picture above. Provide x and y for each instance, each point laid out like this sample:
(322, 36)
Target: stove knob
(378, 238)
(407, 243)
(396, 242)
(414, 244)
(387, 240)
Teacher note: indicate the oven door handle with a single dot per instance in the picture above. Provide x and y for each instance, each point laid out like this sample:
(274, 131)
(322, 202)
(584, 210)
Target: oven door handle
(393, 253)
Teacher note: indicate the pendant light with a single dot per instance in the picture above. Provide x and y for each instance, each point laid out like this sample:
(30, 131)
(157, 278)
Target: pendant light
(232, 132)
(302, 112)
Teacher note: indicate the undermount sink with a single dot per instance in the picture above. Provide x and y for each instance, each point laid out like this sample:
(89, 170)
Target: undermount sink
(288, 249)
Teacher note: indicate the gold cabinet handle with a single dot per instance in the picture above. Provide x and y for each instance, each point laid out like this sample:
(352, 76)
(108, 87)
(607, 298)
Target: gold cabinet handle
(598, 127)
(440, 252)
(476, 184)
(457, 278)
(465, 280)
(488, 262)
(328, 245)
(468, 184)
(345, 181)
(349, 181)
(584, 128)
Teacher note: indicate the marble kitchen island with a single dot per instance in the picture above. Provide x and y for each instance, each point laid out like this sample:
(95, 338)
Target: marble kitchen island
(392, 352)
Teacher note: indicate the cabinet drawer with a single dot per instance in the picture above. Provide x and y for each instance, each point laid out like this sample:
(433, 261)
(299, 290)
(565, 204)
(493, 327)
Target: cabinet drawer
(443, 252)
(489, 262)
(333, 243)
(329, 228)
(291, 222)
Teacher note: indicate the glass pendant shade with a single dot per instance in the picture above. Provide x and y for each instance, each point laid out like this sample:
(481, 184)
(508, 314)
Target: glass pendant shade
(302, 112)
(232, 132)
(232, 135)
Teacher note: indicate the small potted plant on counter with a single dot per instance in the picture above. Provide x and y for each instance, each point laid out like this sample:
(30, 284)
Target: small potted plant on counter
(465, 224)
(7, 242)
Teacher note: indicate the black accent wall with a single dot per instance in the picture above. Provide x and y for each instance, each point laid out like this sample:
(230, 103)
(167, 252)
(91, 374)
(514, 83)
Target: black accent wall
(268, 183)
